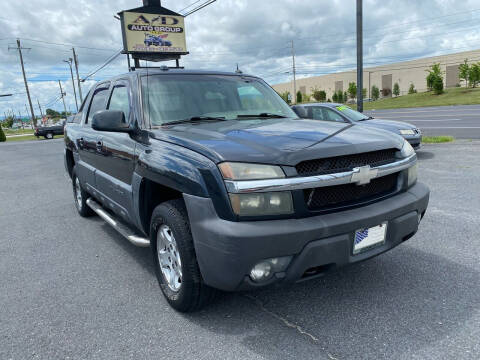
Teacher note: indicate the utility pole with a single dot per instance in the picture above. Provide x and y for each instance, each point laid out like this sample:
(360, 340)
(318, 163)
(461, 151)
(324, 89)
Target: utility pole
(19, 48)
(294, 98)
(40, 108)
(75, 59)
(359, 56)
(69, 62)
(62, 94)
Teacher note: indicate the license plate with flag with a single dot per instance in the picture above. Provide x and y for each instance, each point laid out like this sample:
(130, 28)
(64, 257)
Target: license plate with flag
(369, 237)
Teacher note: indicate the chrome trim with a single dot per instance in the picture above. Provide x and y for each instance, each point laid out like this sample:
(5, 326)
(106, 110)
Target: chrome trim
(300, 183)
(123, 229)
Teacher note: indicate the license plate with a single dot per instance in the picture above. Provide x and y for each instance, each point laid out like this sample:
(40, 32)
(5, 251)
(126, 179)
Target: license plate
(369, 237)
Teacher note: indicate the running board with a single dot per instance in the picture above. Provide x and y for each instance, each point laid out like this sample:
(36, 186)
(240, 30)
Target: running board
(123, 229)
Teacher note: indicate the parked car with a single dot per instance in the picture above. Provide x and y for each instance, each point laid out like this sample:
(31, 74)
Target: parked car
(48, 132)
(232, 194)
(156, 40)
(345, 114)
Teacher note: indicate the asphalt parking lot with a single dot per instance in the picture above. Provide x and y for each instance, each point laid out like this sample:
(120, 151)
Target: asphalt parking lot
(73, 288)
(461, 121)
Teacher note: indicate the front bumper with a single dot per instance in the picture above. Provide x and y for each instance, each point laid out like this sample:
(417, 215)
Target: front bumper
(226, 251)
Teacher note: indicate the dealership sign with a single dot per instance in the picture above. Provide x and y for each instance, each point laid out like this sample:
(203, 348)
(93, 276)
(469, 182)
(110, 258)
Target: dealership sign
(153, 33)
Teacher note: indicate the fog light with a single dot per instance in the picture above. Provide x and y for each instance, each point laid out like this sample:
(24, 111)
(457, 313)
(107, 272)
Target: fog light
(266, 268)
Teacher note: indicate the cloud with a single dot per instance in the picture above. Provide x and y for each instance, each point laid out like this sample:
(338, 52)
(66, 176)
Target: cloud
(256, 34)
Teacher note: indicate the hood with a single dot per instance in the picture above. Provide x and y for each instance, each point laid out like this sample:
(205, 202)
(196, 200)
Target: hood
(276, 141)
(390, 125)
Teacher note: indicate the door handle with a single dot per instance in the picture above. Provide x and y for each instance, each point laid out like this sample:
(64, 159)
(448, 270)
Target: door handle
(99, 145)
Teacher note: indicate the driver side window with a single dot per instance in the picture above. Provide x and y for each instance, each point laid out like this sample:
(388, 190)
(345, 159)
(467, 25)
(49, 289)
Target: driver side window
(332, 115)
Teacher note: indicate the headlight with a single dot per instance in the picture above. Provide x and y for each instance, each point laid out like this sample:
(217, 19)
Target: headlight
(258, 204)
(412, 175)
(407, 149)
(245, 171)
(407, 132)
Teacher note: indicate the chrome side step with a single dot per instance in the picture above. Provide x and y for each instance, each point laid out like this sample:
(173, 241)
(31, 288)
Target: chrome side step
(123, 229)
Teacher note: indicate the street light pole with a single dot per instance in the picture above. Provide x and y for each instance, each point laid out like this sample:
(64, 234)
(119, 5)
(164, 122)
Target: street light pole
(69, 62)
(359, 56)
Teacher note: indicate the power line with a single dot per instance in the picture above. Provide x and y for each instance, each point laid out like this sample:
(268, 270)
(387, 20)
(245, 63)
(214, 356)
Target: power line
(108, 61)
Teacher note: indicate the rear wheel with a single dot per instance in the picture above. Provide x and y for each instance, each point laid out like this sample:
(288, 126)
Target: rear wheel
(80, 197)
(175, 260)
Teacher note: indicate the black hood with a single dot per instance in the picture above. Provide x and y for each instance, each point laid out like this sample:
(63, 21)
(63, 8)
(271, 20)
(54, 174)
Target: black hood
(276, 141)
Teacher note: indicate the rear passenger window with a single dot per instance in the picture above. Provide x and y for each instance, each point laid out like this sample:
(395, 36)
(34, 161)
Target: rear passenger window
(333, 116)
(98, 103)
(119, 100)
(317, 113)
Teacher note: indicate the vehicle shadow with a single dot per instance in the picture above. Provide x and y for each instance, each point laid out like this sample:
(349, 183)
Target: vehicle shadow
(425, 155)
(389, 307)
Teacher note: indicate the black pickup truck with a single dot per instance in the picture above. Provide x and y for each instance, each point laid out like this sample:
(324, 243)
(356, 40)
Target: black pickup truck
(48, 132)
(229, 188)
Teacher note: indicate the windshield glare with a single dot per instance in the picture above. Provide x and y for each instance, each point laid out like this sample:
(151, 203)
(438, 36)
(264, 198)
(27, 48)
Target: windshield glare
(169, 98)
(351, 114)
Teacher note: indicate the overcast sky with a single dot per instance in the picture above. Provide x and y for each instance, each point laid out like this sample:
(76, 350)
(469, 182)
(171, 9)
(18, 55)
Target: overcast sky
(256, 34)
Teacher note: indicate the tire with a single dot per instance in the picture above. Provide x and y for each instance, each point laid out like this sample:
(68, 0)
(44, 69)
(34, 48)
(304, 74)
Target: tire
(80, 196)
(186, 291)
(49, 136)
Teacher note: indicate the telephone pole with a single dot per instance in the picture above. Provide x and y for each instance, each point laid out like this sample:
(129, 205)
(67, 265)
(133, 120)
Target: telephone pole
(69, 62)
(294, 97)
(359, 56)
(62, 94)
(75, 60)
(40, 108)
(19, 48)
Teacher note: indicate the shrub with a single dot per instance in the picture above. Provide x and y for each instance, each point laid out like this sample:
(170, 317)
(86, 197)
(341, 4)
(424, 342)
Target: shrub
(319, 95)
(340, 96)
(306, 97)
(435, 75)
(345, 97)
(396, 89)
(352, 90)
(2, 135)
(438, 85)
(329, 100)
(299, 97)
(411, 89)
(386, 92)
(375, 92)
(335, 97)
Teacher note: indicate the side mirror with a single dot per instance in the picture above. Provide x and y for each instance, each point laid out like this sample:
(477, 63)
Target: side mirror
(110, 120)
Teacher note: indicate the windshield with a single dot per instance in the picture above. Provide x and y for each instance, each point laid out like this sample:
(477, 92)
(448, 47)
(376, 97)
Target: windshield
(351, 114)
(168, 98)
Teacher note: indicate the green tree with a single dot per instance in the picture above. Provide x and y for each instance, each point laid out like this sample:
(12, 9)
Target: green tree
(345, 96)
(52, 113)
(2, 135)
(396, 89)
(335, 97)
(284, 96)
(352, 90)
(435, 75)
(299, 97)
(340, 96)
(319, 95)
(463, 71)
(474, 74)
(375, 92)
(411, 89)
(438, 85)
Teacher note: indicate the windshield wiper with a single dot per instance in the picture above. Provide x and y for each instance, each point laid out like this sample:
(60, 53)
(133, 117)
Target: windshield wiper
(194, 119)
(262, 115)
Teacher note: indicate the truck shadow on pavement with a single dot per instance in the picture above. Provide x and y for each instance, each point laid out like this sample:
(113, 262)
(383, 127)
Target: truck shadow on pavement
(425, 155)
(391, 306)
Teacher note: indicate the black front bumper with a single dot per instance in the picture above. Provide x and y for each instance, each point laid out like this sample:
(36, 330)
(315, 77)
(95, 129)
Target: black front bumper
(227, 251)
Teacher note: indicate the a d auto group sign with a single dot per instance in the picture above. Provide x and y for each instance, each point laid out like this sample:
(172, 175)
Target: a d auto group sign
(154, 33)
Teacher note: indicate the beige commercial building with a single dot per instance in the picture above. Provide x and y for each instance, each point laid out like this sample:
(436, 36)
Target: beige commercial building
(385, 76)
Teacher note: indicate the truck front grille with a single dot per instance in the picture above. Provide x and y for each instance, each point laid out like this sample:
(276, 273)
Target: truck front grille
(345, 163)
(327, 198)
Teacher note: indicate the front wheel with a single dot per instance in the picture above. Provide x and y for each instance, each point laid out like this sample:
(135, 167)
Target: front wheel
(49, 136)
(80, 197)
(175, 260)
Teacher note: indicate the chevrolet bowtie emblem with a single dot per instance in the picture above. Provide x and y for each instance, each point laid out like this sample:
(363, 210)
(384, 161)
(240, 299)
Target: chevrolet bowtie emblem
(362, 175)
